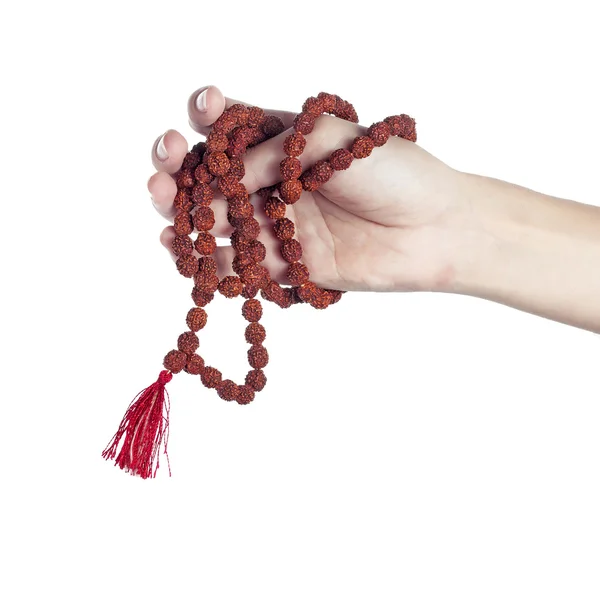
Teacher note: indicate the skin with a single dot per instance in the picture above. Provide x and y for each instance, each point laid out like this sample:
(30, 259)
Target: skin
(402, 220)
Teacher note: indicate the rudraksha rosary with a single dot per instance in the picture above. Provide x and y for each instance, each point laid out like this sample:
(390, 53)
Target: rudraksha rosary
(218, 163)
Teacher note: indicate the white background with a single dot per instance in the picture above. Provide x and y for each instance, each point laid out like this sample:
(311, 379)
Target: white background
(410, 446)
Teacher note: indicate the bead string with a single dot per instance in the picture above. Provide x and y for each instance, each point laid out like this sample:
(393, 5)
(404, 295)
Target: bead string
(219, 161)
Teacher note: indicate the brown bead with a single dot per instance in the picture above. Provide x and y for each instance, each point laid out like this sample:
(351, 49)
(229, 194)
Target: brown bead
(362, 146)
(185, 179)
(245, 394)
(228, 185)
(291, 250)
(327, 101)
(273, 292)
(274, 208)
(175, 361)
(218, 163)
(322, 171)
(236, 167)
(290, 168)
(298, 273)
(249, 228)
(194, 364)
(226, 123)
(199, 149)
(202, 194)
(309, 182)
(227, 389)
(252, 310)
(294, 144)
(216, 142)
(290, 191)
(203, 175)
(250, 291)
(187, 265)
(272, 126)
(258, 357)
(182, 244)
(304, 123)
(379, 133)
(183, 223)
(254, 274)
(206, 282)
(403, 126)
(203, 218)
(313, 106)
(284, 229)
(256, 251)
(255, 116)
(255, 334)
(196, 319)
(201, 297)
(230, 286)
(240, 112)
(188, 342)
(183, 200)
(256, 379)
(341, 159)
(210, 377)
(207, 265)
(241, 261)
(238, 241)
(205, 243)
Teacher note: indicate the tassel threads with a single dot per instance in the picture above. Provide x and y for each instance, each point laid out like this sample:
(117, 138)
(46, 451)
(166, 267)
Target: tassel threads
(145, 427)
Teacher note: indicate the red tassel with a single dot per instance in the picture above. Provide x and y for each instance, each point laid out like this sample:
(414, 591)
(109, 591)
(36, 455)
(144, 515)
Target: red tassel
(145, 427)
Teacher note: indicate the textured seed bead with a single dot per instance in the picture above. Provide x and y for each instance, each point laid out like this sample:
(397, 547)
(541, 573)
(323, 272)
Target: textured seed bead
(255, 116)
(294, 144)
(362, 146)
(249, 228)
(272, 125)
(210, 377)
(175, 361)
(183, 223)
(284, 229)
(313, 106)
(255, 334)
(228, 185)
(196, 319)
(290, 191)
(341, 159)
(202, 194)
(245, 394)
(297, 273)
(218, 163)
(185, 179)
(322, 171)
(227, 389)
(203, 175)
(258, 357)
(205, 243)
(183, 200)
(274, 208)
(230, 286)
(236, 167)
(402, 126)
(216, 142)
(252, 310)
(191, 161)
(290, 168)
(188, 342)
(182, 244)
(194, 364)
(291, 250)
(379, 133)
(187, 265)
(256, 251)
(201, 297)
(256, 379)
(304, 123)
(309, 182)
(204, 218)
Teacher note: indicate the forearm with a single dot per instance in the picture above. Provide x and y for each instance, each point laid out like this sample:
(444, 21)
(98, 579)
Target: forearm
(533, 252)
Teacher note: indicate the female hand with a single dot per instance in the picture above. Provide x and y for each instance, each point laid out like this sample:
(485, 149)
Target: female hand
(390, 222)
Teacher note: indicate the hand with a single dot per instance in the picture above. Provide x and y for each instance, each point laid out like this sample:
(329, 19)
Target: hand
(390, 222)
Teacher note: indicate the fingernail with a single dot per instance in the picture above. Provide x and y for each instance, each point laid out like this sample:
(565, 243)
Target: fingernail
(161, 149)
(201, 101)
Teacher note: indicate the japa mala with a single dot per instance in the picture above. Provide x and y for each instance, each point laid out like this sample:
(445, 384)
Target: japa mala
(218, 163)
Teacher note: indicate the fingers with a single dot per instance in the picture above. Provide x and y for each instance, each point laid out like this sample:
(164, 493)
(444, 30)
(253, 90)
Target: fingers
(207, 104)
(162, 188)
(262, 161)
(168, 151)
